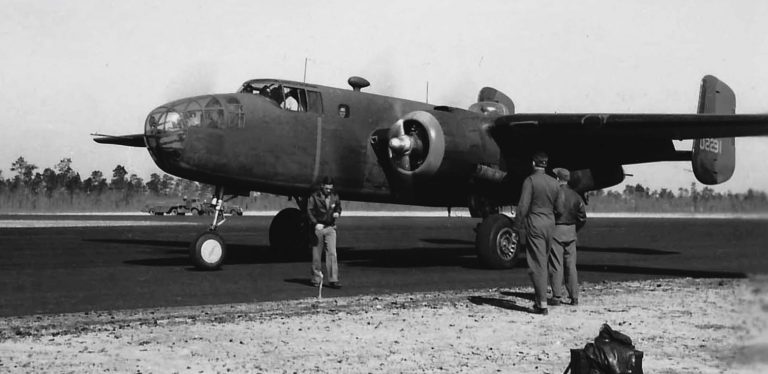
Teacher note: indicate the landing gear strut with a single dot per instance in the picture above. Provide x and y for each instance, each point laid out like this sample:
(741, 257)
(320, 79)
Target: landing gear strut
(208, 250)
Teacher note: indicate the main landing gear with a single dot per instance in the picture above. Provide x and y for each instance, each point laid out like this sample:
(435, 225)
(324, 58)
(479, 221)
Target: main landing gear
(496, 242)
(289, 232)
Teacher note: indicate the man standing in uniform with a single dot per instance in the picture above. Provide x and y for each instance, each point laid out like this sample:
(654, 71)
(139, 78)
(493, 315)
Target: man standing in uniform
(323, 208)
(572, 217)
(536, 217)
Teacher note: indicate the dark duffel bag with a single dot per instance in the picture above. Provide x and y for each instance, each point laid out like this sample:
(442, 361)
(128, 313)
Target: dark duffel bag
(611, 353)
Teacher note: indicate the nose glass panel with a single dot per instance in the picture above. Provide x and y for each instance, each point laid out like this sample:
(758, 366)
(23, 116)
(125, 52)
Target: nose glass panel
(204, 111)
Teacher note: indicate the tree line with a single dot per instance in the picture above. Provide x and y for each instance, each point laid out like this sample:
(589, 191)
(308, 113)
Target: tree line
(638, 198)
(61, 188)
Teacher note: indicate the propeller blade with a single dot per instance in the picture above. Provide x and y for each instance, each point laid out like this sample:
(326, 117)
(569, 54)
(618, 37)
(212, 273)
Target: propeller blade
(403, 162)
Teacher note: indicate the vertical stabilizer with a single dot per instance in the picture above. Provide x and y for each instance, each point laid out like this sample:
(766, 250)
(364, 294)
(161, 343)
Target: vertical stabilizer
(493, 101)
(714, 159)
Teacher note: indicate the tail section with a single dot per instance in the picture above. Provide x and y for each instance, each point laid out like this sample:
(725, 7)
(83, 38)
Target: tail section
(714, 159)
(493, 101)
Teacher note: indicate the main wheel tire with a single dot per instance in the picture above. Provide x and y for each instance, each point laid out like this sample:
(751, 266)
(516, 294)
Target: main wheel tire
(496, 242)
(288, 233)
(196, 212)
(151, 212)
(208, 251)
(174, 212)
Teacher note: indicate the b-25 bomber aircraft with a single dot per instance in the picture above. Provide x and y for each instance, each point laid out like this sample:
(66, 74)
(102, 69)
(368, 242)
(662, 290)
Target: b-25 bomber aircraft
(280, 137)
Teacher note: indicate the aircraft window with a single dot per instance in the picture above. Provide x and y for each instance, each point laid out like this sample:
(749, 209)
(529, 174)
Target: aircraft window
(343, 111)
(302, 98)
(292, 100)
(171, 121)
(236, 113)
(213, 116)
(153, 123)
(314, 102)
(192, 118)
(249, 88)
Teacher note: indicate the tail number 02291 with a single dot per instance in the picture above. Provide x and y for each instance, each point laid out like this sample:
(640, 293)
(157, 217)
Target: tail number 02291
(710, 144)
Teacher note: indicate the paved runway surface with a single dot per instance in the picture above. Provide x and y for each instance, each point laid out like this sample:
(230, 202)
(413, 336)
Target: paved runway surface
(96, 267)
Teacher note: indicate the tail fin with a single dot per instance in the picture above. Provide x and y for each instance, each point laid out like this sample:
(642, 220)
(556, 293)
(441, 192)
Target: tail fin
(714, 159)
(491, 100)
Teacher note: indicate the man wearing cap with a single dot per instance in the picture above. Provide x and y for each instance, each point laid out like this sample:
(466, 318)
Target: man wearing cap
(323, 208)
(572, 216)
(536, 217)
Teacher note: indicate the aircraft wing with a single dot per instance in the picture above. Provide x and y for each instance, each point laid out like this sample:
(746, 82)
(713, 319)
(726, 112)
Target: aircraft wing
(631, 126)
(583, 140)
(134, 140)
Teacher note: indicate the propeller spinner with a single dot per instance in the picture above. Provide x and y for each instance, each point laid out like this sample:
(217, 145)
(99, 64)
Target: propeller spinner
(407, 146)
(416, 143)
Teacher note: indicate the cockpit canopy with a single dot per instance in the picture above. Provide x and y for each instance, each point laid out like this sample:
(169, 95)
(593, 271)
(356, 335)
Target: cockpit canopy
(288, 96)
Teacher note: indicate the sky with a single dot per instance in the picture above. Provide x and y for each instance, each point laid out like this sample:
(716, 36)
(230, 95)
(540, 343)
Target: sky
(68, 69)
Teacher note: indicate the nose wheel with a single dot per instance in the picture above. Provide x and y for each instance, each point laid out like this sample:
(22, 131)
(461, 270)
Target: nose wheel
(208, 250)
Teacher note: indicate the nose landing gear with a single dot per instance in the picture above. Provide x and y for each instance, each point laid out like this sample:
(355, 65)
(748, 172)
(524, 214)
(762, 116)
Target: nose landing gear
(208, 250)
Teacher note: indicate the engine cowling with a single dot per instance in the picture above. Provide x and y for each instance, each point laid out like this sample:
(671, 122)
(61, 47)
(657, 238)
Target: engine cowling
(416, 144)
(596, 178)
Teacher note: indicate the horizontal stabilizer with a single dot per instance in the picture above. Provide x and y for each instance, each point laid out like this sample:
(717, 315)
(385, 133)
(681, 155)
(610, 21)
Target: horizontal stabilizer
(134, 140)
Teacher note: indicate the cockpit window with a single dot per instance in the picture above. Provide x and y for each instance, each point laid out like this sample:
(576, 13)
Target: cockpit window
(299, 99)
(288, 97)
(314, 102)
(268, 89)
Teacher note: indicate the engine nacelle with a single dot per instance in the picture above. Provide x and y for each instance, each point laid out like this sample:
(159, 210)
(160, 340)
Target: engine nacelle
(416, 144)
(596, 178)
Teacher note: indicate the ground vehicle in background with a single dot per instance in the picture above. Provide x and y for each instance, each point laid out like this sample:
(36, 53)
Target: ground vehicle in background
(191, 206)
(195, 207)
(234, 210)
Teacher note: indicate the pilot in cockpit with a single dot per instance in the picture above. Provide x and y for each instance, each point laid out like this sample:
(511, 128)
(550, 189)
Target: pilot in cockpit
(291, 101)
(248, 88)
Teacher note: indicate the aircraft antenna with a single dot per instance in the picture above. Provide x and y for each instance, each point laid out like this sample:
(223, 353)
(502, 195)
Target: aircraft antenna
(427, 92)
(305, 69)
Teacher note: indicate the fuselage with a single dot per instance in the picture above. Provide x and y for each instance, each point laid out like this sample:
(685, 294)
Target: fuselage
(253, 140)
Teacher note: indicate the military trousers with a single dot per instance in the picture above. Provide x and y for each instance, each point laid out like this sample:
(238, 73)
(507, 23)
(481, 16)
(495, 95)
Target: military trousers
(326, 242)
(562, 262)
(538, 239)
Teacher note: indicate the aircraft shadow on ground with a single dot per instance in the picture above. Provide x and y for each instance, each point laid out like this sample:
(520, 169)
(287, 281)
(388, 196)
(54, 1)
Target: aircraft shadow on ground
(464, 257)
(263, 254)
(405, 258)
(624, 269)
(447, 241)
(236, 253)
(415, 257)
(632, 251)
